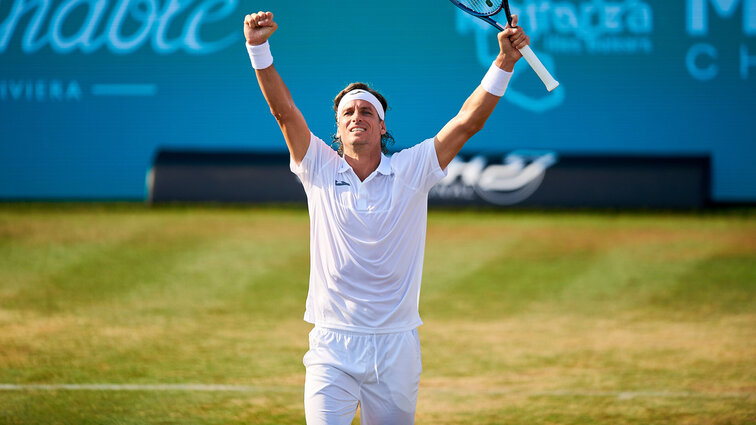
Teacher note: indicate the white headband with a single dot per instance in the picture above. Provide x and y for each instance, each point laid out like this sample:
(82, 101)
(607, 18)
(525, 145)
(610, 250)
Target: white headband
(359, 94)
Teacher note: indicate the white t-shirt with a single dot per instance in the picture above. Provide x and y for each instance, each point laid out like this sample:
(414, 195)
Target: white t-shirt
(367, 239)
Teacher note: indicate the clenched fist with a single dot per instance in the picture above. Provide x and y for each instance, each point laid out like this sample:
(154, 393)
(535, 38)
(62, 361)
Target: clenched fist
(258, 27)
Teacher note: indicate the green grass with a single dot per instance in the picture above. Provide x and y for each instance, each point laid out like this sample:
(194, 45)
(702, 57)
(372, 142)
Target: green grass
(530, 318)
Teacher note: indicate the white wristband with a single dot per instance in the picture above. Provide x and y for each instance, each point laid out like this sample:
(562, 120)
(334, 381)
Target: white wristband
(496, 80)
(260, 55)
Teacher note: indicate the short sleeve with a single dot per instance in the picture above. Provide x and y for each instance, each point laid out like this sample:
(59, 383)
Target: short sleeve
(318, 155)
(418, 166)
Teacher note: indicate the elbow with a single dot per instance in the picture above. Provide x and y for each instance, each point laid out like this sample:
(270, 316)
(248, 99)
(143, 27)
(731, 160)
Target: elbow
(476, 126)
(470, 126)
(282, 114)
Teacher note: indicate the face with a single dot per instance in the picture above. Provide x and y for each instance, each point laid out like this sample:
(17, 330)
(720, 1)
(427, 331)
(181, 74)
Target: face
(360, 127)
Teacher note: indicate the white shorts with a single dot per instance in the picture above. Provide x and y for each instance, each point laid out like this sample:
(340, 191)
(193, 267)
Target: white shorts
(379, 372)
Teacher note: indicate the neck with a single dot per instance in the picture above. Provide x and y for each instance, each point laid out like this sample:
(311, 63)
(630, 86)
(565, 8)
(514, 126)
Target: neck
(363, 163)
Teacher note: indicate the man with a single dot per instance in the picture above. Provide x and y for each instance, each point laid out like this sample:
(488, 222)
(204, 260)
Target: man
(368, 216)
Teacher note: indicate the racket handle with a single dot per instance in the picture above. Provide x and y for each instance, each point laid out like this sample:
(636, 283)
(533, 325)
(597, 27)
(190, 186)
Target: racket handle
(538, 67)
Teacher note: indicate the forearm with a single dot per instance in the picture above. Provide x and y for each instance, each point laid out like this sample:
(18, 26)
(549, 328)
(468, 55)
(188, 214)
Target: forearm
(473, 115)
(289, 118)
(270, 82)
(476, 110)
(276, 93)
(481, 103)
(280, 102)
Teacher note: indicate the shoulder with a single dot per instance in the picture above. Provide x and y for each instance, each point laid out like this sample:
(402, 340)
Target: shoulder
(415, 153)
(318, 155)
(418, 166)
(319, 150)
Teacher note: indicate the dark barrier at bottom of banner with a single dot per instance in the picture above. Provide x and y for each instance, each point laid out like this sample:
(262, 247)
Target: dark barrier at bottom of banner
(234, 177)
(531, 179)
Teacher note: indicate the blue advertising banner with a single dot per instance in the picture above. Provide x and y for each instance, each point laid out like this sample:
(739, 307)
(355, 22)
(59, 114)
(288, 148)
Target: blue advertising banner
(90, 90)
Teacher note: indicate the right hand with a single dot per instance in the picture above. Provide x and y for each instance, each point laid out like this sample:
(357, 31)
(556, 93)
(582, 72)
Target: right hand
(258, 27)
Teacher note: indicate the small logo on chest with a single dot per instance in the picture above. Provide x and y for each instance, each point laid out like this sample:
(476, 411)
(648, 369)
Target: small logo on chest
(342, 183)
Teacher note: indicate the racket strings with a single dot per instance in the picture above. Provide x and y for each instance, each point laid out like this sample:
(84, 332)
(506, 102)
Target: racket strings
(482, 7)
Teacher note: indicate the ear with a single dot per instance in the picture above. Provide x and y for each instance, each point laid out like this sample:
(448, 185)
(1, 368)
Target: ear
(383, 127)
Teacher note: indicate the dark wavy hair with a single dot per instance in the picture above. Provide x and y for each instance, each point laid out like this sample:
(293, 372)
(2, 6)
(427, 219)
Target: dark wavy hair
(386, 139)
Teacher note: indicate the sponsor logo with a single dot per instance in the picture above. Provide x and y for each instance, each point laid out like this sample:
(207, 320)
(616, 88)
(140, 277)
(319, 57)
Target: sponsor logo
(623, 27)
(342, 183)
(703, 58)
(41, 90)
(120, 26)
(585, 27)
(509, 183)
(114, 27)
(595, 27)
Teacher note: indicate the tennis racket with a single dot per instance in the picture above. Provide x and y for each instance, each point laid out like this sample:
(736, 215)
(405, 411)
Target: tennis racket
(484, 9)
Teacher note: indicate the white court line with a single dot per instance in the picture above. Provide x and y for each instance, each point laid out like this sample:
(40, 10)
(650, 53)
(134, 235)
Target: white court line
(621, 395)
(142, 387)
(629, 395)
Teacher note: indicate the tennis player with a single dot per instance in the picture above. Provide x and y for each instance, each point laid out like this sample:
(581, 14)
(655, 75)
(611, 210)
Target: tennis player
(368, 214)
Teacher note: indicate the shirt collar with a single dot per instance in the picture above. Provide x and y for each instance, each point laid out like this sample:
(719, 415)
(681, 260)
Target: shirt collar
(384, 167)
(344, 166)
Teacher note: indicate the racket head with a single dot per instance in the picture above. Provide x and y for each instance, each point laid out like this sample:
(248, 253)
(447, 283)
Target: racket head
(480, 7)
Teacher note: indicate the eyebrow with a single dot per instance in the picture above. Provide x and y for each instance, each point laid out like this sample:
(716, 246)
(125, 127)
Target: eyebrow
(361, 108)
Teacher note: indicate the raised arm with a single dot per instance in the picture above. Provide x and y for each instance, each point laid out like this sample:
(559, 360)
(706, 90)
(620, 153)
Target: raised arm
(258, 27)
(481, 103)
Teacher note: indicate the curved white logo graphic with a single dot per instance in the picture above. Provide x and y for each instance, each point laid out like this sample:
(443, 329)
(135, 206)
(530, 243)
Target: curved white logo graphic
(511, 182)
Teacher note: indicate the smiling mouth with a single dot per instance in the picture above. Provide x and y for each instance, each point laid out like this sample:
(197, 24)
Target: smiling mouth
(358, 130)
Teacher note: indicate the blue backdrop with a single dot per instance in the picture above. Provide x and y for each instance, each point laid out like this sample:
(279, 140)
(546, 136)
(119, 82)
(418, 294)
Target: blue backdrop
(90, 89)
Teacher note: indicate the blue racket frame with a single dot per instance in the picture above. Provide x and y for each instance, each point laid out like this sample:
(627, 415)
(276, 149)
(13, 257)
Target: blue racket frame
(487, 16)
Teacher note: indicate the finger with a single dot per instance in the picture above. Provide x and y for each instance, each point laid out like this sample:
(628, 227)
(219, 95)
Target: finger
(525, 41)
(519, 42)
(514, 20)
(249, 21)
(517, 39)
(264, 19)
(508, 32)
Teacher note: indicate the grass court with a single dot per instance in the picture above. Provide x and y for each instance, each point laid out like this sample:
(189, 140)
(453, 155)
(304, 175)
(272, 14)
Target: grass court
(193, 315)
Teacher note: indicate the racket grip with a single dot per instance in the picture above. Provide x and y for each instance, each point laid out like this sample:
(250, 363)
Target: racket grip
(538, 67)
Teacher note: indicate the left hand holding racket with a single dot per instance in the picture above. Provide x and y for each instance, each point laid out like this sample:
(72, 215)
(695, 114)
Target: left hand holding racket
(511, 40)
(485, 9)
